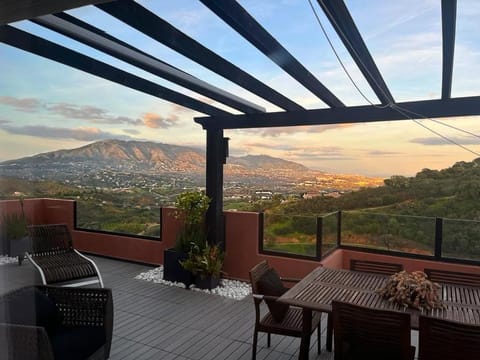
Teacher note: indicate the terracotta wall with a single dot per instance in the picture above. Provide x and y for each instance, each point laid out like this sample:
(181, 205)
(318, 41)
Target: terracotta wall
(241, 242)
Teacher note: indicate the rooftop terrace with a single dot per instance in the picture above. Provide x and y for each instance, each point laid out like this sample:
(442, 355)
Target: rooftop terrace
(154, 321)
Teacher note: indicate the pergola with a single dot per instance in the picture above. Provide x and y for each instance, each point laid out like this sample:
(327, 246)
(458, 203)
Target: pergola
(217, 120)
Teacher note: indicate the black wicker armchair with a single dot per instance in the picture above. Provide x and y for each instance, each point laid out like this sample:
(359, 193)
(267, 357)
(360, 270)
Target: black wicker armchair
(47, 322)
(57, 261)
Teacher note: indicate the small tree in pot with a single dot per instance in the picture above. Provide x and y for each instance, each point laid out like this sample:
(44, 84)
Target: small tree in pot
(15, 240)
(191, 207)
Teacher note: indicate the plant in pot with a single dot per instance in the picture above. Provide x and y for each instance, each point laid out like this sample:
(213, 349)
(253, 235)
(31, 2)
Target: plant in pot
(191, 207)
(206, 264)
(15, 237)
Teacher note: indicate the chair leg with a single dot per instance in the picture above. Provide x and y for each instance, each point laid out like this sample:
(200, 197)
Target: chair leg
(319, 336)
(254, 345)
(269, 339)
(329, 331)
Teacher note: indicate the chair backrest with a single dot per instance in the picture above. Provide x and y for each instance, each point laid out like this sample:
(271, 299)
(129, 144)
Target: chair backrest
(362, 332)
(453, 277)
(256, 273)
(375, 267)
(50, 238)
(444, 339)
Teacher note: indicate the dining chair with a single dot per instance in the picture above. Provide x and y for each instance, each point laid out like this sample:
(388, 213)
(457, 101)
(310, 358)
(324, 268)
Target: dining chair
(446, 339)
(367, 333)
(57, 261)
(280, 319)
(453, 277)
(375, 267)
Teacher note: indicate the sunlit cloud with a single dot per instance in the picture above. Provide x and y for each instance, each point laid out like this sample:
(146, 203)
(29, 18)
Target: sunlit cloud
(21, 104)
(435, 141)
(279, 131)
(131, 131)
(155, 121)
(81, 133)
(383, 153)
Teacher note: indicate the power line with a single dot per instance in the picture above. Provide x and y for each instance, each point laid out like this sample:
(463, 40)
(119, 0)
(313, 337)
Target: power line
(390, 104)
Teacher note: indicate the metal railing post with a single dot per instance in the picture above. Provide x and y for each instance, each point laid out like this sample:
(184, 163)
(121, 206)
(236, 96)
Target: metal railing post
(438, 237)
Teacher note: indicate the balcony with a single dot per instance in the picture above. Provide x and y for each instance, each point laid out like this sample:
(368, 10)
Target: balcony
(156, 321)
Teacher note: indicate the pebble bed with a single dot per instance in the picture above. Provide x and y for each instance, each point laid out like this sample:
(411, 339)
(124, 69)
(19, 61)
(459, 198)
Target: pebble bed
(4, 259)
(232, 289)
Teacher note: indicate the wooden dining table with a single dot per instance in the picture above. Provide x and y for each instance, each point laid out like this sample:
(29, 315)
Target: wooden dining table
(318, 289)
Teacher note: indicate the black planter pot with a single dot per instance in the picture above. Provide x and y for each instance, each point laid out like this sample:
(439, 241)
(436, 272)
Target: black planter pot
(18, 247)
(208, 282)
(173, 270)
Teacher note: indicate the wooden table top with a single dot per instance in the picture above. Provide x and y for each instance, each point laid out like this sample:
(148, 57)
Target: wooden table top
(317, 290)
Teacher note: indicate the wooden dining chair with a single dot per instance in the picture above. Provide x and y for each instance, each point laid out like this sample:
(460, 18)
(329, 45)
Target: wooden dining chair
(367, 333)
(281, 319)
(375, 267)
(453, 277)
(445, 339)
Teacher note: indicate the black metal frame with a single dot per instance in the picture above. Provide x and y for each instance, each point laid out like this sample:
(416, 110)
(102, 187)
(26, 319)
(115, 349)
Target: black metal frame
(238, 18)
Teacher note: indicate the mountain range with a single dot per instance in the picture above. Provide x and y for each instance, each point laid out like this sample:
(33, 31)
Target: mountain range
(155, 159)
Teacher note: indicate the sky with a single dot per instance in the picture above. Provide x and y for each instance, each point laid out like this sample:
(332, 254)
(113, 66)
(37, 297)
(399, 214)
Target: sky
(46, 106)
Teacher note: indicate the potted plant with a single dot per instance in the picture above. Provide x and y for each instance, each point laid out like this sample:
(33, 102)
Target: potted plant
(206, 264)
(191, 207)
(15, 236)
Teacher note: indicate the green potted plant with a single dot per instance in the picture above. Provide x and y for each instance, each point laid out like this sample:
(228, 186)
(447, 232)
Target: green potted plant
(206, 264)
(15, 236)
(191, 207)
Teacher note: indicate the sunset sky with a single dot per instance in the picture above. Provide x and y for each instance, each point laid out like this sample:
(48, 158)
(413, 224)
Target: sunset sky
(46, 106)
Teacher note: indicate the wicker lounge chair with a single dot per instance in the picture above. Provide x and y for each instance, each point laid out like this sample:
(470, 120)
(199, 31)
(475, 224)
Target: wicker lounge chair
(366, 333)
(444, 339)
(290, 324)
(57, 261)
(47, 322)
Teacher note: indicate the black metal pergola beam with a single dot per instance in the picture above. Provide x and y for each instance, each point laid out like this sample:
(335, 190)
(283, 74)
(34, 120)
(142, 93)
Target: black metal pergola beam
(76, 29)
(341, 20)
(449, 18)
(466, 106)
(15, 10)
(36, 45)
(242, 22)
(152, 25)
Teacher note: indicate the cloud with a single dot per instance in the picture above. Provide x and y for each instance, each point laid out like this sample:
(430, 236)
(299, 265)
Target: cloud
(155, 121)
(435, 141)
(131, 131)
(91, 113)
(383, 153)
(4, 122)
(279, 131)
(21, 104)
(81, 133)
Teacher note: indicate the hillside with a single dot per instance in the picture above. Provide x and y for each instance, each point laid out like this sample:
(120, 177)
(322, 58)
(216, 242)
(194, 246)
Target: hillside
(452, 193)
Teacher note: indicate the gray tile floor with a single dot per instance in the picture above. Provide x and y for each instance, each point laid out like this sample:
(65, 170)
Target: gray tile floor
(153, 321)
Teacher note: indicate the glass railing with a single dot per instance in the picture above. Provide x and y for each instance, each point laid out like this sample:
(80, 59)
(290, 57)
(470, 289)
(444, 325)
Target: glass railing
(126, 218)
(399, 233)
(290, 234)
(329, 235)
(461, 239)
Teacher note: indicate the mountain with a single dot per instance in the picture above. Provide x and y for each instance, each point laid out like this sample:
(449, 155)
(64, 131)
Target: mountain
(116, 162)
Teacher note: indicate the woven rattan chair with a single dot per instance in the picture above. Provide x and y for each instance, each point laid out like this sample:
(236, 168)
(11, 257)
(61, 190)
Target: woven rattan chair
(84, 325)
(291, 325)
(444, 339)
(57, 261)
(366, 333)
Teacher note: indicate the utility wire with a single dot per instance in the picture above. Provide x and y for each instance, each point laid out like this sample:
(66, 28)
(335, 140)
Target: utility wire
(390, 104)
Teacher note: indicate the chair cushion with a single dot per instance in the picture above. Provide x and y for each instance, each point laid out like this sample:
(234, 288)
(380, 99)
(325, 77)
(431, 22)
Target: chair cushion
(270, 284)
(30, 306)
(76, 343)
